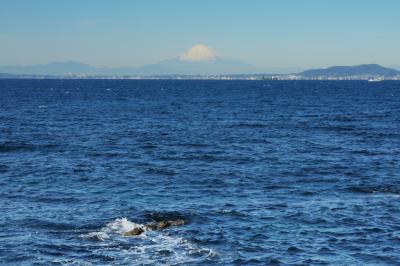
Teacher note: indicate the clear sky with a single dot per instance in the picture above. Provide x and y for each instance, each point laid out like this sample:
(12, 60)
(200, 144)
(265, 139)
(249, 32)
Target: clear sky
(278, 33)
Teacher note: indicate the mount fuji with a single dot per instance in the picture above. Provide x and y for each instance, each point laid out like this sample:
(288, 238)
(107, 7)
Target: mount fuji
(198, 60)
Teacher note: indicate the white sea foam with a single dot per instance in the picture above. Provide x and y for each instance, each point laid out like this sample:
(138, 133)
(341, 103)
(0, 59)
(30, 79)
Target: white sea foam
(117, 227)
(170, 249)
(96, 236)
(120, 226)
(151, 246)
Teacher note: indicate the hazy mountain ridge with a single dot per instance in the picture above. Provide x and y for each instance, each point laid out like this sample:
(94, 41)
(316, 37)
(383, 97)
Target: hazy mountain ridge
(53, 68)
(166, 67)
(359, 70)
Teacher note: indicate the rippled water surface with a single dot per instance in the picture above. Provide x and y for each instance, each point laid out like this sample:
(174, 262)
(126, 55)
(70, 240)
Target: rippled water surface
(302, 173)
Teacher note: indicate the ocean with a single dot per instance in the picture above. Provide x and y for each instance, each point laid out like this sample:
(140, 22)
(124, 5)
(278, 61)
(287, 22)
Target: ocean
(262, 172)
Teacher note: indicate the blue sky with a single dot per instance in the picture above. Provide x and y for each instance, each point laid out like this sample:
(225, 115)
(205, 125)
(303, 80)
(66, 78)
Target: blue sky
(284, 33)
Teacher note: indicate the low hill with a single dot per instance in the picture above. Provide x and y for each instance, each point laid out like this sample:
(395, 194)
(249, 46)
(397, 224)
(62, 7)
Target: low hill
(360, 70)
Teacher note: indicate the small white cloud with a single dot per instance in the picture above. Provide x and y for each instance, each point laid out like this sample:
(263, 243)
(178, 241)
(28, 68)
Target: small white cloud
(199, 52)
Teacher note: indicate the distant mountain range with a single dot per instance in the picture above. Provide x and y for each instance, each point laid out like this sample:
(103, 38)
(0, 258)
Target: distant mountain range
(343, 71)
(167, 67)
(177, 66)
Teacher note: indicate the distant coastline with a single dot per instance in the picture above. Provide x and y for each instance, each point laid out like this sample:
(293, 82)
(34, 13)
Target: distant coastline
(359, 72)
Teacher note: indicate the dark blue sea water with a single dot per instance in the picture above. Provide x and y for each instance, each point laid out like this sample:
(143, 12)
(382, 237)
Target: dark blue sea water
(263, 172)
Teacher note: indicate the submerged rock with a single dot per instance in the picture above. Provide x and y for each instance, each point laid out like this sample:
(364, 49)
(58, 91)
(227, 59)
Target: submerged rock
(154, 226)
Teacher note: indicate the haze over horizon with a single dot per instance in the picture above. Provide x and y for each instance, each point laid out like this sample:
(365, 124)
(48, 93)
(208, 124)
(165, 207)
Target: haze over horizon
(269, 35)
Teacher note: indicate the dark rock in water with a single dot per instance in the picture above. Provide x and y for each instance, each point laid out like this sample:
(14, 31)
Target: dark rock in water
(154, 226)
(163, 224)
(175, 223)
(135, 232)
